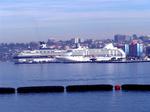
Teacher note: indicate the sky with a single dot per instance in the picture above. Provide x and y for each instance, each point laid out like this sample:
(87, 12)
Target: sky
(36, 20)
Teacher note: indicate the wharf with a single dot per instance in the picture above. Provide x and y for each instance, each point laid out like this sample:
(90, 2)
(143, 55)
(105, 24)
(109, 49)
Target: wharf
(127, 61)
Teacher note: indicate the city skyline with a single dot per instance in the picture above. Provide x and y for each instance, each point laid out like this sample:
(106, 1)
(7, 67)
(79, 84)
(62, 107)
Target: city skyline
(34, 20)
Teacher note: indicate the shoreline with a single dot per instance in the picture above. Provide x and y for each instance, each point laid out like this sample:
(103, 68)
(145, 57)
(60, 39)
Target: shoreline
(128, 61)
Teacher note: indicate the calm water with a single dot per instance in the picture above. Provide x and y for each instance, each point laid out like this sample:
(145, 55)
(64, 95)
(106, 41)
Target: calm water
(65, 74)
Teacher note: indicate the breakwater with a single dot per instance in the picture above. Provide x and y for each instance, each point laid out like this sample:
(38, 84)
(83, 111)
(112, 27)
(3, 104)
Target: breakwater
(75, 88)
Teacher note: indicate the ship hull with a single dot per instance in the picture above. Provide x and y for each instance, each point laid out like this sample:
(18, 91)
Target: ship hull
(73, 59)
(34, 60)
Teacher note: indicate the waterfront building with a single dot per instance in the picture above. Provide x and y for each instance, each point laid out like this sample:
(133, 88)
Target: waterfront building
(135, 49)
(148, 51)
(124, 47)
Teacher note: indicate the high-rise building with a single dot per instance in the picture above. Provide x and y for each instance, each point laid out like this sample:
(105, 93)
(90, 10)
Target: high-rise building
(135, 49)
(148, 51)
(119, 38)
(126, 49)
(76, 40)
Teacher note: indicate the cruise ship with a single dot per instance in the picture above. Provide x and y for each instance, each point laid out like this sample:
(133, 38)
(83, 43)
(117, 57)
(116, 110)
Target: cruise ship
(42, 55)
(83, 54)
(80, 54)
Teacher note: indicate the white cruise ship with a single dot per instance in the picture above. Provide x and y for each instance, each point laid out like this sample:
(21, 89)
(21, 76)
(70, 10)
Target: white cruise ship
(43, 55)
(108, 53)
(80, 54)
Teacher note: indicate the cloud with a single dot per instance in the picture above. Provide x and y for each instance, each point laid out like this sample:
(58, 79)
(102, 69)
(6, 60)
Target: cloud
(18, 4)
(73, 16)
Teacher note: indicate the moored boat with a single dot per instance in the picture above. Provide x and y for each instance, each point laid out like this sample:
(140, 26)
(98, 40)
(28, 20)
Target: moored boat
(78, 55)
(108, 53)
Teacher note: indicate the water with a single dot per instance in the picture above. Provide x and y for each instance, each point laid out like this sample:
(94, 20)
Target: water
(67, 74)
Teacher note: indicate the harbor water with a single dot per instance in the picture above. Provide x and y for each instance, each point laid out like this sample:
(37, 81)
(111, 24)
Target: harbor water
(19, 75)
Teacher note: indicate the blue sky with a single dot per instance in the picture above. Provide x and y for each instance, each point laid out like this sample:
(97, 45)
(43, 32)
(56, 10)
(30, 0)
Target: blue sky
(34, 20)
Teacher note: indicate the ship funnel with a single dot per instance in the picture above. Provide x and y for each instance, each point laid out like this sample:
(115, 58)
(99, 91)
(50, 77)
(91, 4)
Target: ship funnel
(43, 45)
